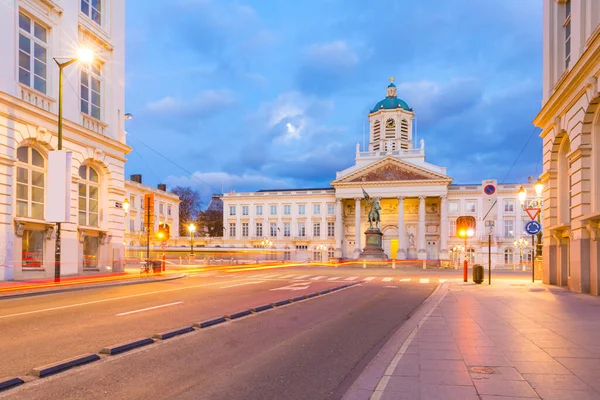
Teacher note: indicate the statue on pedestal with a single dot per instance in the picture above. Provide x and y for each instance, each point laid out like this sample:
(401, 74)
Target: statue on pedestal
(374, 215)
(374, 238)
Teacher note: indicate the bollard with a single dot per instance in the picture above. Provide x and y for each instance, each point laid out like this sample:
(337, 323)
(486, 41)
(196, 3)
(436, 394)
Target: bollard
(393, 264)
(424, 264)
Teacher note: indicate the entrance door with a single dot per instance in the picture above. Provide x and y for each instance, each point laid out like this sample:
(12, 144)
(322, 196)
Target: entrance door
(432, 250)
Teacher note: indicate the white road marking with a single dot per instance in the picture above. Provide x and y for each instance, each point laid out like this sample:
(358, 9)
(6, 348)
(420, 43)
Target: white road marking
(316, 278)
(405, 280)
(269, 276)
(111, 299)
(370, 278)
(287, 276)
(335, 278)
(395, 287)
(442, 280)
(302, 277)
(351, 278)
(241, 284)
(424, 280)
(386, 280)
(293, 286)
(149, 308)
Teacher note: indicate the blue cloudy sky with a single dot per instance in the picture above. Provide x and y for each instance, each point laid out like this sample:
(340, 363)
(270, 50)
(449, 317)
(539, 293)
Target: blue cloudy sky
(274, 93)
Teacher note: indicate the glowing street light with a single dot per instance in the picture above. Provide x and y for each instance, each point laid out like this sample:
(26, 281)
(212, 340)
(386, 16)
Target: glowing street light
(191, 230)
(126, 206)
(521, 244)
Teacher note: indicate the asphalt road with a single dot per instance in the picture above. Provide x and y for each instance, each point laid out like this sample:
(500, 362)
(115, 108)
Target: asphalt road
(305, 350)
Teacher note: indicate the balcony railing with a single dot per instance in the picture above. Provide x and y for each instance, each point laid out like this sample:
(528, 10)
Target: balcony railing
(36, 98)
(93, 124)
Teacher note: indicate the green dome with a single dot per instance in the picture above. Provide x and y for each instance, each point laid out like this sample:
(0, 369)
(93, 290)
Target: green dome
(391, 102)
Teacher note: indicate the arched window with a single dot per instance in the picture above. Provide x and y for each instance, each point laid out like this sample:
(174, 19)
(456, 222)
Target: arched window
(30, 183)
(508, 255)
(88, 196)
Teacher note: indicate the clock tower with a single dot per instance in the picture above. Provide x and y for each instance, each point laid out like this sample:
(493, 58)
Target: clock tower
(390, 123)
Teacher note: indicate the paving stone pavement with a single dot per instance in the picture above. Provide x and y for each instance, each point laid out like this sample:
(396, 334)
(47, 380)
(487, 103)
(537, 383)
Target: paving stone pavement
(533, 340)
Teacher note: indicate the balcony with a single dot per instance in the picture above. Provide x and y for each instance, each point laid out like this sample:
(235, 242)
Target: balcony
(36, 98)
(93, 124)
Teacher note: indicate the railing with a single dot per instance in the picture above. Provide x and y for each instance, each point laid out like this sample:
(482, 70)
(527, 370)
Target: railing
(36, 98)
(93, 124)
(415, 152)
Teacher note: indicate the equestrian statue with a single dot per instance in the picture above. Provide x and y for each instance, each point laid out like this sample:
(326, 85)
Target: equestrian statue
(374, 216)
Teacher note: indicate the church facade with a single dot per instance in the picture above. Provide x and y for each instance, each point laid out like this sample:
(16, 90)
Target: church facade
(419, 206)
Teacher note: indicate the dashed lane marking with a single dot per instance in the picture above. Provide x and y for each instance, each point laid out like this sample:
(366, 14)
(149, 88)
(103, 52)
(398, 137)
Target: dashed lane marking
(270, 276)
(442, 280)
(386, 280)
(351, 278)
(240, 284)
(302, 277)
(149, 308)
(317, 278)
(287, 276)
(370, 278)
(424, 280)
(334, 278)
(405, 280)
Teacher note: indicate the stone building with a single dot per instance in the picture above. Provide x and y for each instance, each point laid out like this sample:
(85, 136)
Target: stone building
(570, 123)
(33, 33)
(419, 204)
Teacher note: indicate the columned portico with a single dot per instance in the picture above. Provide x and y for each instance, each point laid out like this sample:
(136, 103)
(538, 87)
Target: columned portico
(357, 247)
(401, 253)
(422, 253)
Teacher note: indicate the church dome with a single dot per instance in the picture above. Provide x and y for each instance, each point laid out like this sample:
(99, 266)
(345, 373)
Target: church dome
(391, 102)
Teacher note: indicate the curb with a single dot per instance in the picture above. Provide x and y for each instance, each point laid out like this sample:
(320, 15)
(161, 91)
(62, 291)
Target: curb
(170, 334)
(239, 314)
(121, 348)
(281, 303)
(10, 383)
(85, 287)
(211, 322)
(376, 369)
(51, 369)
(262, 308)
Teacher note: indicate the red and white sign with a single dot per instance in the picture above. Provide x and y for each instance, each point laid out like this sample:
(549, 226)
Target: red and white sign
(532, 212)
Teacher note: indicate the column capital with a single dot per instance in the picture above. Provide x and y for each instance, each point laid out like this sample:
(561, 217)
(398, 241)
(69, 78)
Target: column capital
(422, 198)
(401, 198)
(444, 198)
(358, 198)
(338, 200)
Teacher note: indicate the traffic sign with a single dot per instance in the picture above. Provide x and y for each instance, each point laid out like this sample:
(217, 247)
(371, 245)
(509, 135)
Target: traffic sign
(533, 227)
(490, 227)
(532, 212)
(489, 190)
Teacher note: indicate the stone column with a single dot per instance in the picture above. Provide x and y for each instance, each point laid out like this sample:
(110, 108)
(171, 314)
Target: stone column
(444, 228)
(357, 248)
(339, 228)
(401, 253)
(422, 252)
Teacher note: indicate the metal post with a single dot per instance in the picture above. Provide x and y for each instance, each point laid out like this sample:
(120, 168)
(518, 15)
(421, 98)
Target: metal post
(466, 264)
(532, 258)
(489, 259)
(57, 243)
(148, 231)
(192, 242)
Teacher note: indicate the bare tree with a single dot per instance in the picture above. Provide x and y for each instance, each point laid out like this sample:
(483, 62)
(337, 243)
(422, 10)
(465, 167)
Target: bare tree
(189, 208)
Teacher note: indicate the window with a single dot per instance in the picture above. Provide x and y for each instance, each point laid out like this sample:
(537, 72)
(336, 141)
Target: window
(331, 229)
(32, 53)
(161, 208)
(273, 229)
(231, 210)
(301, 229)
(90, 252)
(259, 210)
(301, 209)
(244, 210)
(245, 229)
(471, 206)
(508, 256)
(452, 228)
(330, 209)
(90, 90)
(169, 209)
(32, 249)
(453, 207)
(88, 196)
(331, 252)
(232, 229)
(316, 229)
(567, 27)
(376, 132)
(509, 205)
(509, 228)
(92, 9)
(132, 225)
(30, 183)
(287, 254)
(259, 231)
(317, 255)
(273, 210)
(287, 209)
(471, 254)
(286, 229)
(316, 209)
(132, 202)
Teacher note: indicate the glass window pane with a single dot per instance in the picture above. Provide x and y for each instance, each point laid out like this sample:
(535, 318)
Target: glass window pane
(96, 4)
(22, 154)
(39, 32)
(93, 175)
(82, 218)
(82, 204)
(37, 211)
(95, 99)
(21, 192)
(37, 178)
(22, 175)
(96, 85)
(84, 107)
(21, 209)
(32, 249)
(24, 44)
(39, 52)
(36, 158)
(93, 206)
(96, 16)
(84, 78)
(96, 112)
(39, 84)
(82, 190)
(82, 174)
(93, 190)
(85, 7)
(24, 77)
(37, 195)
(84, 93)
(96, 68)
(93, 219)
(24, 22)
(24, 60)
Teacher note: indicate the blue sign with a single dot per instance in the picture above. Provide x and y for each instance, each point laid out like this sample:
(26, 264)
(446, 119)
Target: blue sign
(489, 190)
(533, 227)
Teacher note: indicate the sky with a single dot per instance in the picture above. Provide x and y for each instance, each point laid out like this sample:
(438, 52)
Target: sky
(270, 94)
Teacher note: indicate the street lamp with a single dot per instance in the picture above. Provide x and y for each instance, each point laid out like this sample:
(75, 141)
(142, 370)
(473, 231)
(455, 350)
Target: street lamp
(192, 229)
(126, 206)
(521, 244)
(84, 55)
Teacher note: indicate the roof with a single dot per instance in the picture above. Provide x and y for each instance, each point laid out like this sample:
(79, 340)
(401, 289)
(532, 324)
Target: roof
(293, 190)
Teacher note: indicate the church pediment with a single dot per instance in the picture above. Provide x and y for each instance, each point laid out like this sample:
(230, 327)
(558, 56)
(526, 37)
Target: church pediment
(392, 170)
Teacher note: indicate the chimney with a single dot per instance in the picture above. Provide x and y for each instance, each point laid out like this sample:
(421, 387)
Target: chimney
(162, 186)
(136, 178)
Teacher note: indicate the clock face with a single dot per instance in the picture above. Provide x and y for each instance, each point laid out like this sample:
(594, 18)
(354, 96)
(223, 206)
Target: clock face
(390, 123)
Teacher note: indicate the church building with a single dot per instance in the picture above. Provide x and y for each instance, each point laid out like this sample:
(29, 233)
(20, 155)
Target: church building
(419, 205)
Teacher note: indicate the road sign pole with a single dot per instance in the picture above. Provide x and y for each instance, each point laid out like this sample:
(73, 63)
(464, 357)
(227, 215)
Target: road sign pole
(489, 259)
(532, 258)
(466, 264)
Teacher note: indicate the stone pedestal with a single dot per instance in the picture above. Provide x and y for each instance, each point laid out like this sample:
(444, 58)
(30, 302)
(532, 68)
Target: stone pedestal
(374, 248)
(412, 253)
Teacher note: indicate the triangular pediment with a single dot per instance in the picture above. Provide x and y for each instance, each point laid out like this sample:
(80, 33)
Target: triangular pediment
(392, 170)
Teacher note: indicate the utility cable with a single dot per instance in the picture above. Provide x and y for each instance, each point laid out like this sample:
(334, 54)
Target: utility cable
(520, 153)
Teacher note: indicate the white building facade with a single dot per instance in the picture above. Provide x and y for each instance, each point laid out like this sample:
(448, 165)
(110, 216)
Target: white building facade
(570, 123)
(33, 33)
(419, 205)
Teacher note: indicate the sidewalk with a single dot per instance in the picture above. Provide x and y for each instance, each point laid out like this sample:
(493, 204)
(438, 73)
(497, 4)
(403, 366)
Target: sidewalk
(509, 340)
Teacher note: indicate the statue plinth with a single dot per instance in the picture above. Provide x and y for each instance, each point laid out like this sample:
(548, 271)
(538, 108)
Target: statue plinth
(374, 248)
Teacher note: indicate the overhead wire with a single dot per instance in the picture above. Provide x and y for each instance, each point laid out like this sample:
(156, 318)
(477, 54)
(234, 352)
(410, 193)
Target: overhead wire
(519, 155)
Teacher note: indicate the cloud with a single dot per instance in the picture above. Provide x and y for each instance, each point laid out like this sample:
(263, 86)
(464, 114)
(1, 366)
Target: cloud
(205, 103)
(333, 55)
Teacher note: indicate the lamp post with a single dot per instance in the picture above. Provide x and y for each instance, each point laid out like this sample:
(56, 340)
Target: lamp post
(86, 56)
(521, 244)
(126, 206)
(465, 234)
(266, 243)
(535, 203)
(192, 229)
